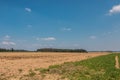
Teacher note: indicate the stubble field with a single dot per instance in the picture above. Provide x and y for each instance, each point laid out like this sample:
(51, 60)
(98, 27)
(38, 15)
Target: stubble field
(15, 65)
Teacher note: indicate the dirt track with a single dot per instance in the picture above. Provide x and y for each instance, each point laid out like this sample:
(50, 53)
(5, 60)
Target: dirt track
(11, 63)
(117, 62)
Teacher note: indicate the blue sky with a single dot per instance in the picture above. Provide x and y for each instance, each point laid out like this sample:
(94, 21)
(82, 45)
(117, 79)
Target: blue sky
(32, 24)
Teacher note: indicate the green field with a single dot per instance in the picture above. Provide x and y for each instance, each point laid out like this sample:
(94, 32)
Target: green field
(98, 68)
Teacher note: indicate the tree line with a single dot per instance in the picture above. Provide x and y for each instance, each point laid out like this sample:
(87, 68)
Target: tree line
(44, 50)
(11, 50)
(61, 50)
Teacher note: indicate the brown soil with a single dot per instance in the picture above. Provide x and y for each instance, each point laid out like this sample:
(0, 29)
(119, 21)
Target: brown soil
(15, 65)
(117, 62)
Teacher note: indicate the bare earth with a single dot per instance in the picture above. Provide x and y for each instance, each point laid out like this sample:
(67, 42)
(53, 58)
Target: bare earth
(12, 63)
(117, 62)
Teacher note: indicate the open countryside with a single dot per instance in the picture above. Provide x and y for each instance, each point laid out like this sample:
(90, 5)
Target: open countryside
(59, 39)
(11, 63)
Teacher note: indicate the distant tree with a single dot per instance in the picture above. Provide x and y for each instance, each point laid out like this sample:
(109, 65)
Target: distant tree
(61, 50)
(12, 49)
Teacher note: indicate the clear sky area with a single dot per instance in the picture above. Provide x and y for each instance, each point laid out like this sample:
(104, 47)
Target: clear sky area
(33, 24)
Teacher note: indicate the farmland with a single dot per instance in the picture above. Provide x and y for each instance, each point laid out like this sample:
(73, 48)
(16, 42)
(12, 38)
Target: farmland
(36, 65)
(97, 68)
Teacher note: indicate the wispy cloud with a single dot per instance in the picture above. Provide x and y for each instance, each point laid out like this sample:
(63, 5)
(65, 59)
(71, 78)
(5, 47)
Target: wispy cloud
(28, 9)
(7, 37)
(76, 45)
(47, 39)
(38, 38)
(93, 37)
(29, 26)
(42, 45)
(8, 43)
(66, 29)
(115, 9)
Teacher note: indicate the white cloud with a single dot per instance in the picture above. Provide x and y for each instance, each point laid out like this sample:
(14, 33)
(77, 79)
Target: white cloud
(7, 37)
(115, 9)
(47, 39)
(66, 29)
(8, 43)
(93, 37)
(28, 10)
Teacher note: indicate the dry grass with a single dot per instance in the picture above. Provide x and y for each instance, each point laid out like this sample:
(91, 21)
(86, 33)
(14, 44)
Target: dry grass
(18, 64)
